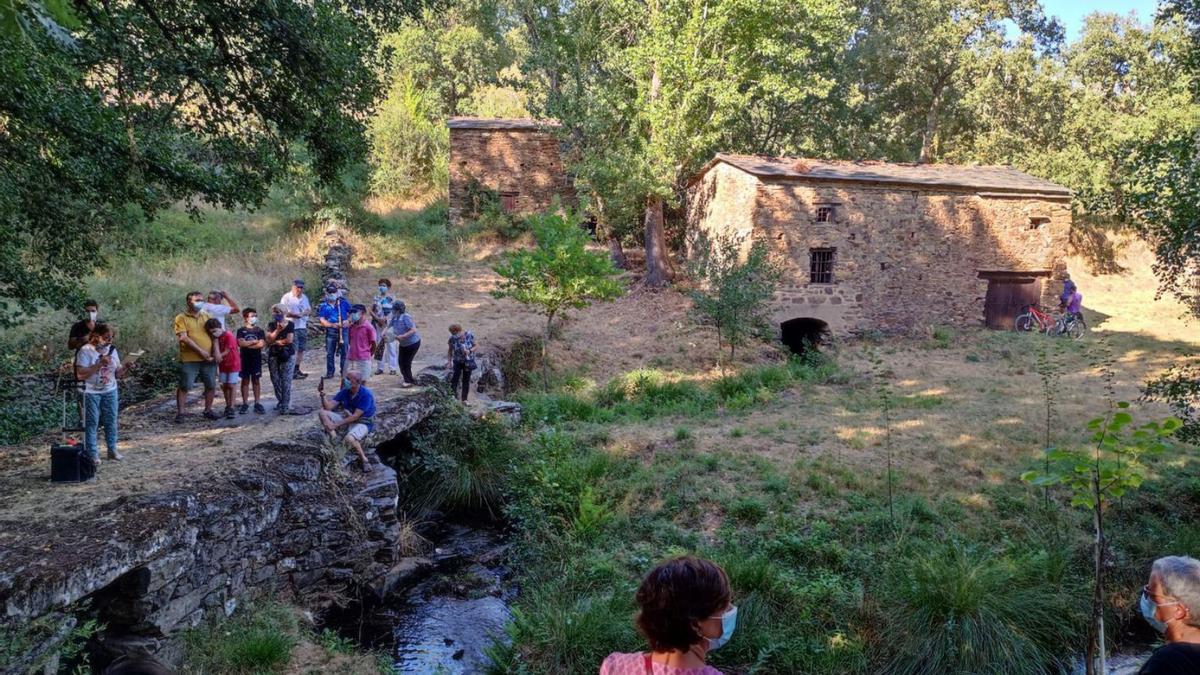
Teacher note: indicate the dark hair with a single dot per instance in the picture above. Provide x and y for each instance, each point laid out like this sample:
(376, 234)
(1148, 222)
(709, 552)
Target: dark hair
(388, 282)
(193, 294)
(248, 311)
(91, 303)
(211, 324)
(677, 595)
(141, 664)
(400, 307)
(100, 330)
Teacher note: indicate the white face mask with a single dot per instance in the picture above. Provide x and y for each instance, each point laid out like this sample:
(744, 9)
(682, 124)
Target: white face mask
(218, 333)
(92, 315)
(252, 320)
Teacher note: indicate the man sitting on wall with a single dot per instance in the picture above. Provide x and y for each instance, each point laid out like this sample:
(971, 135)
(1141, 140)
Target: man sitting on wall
(357, 404)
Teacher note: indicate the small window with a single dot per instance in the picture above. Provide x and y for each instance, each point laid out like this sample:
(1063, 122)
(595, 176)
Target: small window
(820, 265)
(826, 214)
(508, 201)
(1036, 222)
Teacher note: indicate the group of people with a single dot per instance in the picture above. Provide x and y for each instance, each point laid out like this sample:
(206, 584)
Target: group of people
(359, 341)
(686, 610)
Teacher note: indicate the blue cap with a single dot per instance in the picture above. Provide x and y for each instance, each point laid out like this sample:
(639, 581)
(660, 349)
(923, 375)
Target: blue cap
(298, 282)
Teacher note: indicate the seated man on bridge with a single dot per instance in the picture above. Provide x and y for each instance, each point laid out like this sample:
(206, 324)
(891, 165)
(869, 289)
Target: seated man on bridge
(357, 404)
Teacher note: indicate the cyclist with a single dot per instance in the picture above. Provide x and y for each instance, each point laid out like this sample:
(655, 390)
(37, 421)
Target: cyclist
(1069, 289)
(1075, 306)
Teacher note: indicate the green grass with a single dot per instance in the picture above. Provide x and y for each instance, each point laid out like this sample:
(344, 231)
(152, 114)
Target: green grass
(259, 639)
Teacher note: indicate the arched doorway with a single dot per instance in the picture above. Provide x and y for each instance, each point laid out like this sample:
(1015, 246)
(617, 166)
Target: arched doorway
(803, 334)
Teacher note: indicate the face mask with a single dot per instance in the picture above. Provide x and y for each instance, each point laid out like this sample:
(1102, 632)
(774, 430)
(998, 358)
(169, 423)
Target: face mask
(728, 623)
(345, 383)
(252, 320)
(1148, 609)
(278, 318)
(198, 305)
(218, 333)
(104, 349)
(331, 296)
(355, 316)
(383, 290)
(92, 316)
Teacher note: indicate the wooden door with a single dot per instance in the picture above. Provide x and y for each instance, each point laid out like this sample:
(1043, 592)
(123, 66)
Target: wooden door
(1007, 297)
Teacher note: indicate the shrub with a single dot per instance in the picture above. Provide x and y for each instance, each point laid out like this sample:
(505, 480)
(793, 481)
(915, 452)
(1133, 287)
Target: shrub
(259, 639)
(748, 509)
(959, 611)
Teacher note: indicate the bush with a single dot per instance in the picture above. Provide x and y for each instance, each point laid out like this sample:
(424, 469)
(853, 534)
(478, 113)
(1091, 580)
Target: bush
(259, 639)
(959, 611)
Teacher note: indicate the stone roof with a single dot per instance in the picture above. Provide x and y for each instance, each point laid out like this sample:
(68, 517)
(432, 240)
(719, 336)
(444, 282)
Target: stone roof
(995, 178)
(493, 124)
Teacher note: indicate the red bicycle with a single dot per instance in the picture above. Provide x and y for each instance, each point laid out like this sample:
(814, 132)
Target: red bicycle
(1032, 318)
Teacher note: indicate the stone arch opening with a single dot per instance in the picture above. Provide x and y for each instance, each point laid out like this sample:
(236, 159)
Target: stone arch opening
(803, 334)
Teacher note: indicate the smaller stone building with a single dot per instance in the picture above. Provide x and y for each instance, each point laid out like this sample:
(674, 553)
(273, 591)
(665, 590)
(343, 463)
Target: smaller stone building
(517, 158)
(872, 245)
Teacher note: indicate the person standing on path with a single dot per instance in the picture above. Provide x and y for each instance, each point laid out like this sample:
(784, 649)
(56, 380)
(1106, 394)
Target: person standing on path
(407, 339)
(281, 357)
(461, 357)
(195, 356)
(229, 361)
(251, 341)
(381, 313)
(297, 308)
(98, 366)
(362, 341)
(358, 413)
(80, 330)
(334, 315)
(217, 308)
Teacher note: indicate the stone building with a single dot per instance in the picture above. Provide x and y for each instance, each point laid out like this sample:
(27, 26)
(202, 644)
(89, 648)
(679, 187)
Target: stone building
(894, 247)
(517, 158)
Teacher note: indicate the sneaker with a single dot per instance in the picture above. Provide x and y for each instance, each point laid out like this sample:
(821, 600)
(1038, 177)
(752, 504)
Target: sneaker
(379, 371)
(115, 456)
(329, 375)
(366, 465)
(229, 413)
(392, 372)
(258, 408)
(179, 418)
(299, 375)
(244, 408)
(406, 385)
(210, 415)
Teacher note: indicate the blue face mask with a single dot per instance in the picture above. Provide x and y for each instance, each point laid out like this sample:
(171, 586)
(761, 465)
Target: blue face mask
(346, 383)
(198, 305)
(1149, 607)
(355, 316)
(383, 290)
(728, 624)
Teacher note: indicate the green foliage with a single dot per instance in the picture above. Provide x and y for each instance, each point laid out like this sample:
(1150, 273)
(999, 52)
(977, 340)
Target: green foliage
(333, 643)
(258, 639)
(956, 610)
(457, 463)
(1179, 387)
(410, 143)
(736, 284)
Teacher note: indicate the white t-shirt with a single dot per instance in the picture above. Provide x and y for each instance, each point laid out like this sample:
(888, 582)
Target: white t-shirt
(103, 380)
(218, 312)
(294, 305)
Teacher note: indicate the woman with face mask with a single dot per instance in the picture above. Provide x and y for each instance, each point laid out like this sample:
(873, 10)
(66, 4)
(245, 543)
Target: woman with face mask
(684, 612)
(281, 357)
(98, 366)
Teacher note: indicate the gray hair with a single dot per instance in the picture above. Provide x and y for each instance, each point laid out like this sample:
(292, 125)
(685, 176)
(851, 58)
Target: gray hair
(1180, 577)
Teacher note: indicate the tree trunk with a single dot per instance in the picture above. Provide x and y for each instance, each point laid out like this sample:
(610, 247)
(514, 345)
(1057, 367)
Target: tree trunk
(931, 125)
(658, 266)
(545, 342)
(617, 252)
(1096, 661)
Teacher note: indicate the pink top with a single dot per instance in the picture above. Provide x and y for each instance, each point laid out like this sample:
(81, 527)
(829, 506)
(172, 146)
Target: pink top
(362, 339)
(635, 664)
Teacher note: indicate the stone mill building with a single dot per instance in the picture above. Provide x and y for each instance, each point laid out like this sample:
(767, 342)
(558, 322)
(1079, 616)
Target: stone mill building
(518, 159)
(893, 247)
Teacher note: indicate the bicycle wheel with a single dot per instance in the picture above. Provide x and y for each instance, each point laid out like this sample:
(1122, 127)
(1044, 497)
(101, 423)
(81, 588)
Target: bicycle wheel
(1024, 323)
(1076, 328)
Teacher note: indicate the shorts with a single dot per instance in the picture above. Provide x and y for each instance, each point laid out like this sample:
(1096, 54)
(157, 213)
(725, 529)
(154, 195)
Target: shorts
(362, 367)
(301, 336)
(229, 378)
(189, 371)
(252, 371)
(357, 431)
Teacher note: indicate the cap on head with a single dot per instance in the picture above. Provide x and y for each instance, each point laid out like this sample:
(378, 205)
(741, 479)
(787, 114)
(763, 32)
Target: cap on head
(298, 283)
(331, 289)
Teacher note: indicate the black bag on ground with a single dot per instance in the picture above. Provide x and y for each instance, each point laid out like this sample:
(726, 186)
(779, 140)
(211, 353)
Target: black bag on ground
(71, 463)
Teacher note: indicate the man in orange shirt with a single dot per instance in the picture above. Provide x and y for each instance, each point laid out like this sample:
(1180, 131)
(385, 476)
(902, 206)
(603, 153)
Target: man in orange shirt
(196, 359)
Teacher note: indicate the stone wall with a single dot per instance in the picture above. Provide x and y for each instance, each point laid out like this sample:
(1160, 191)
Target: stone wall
(524, 162)
(905, 257)
(285, 522)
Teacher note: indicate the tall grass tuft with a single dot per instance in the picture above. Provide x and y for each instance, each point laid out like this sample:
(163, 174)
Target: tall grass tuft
(958, 611)
(259, 639)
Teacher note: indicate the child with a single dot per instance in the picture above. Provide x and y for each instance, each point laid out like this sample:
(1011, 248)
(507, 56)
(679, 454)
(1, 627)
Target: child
(381, 312)
(362, 341)
(251, 340)
(229, 361)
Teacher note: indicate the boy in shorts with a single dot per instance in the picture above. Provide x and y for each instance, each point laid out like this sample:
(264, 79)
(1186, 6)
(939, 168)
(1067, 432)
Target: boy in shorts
(229, 361)
(251, 341)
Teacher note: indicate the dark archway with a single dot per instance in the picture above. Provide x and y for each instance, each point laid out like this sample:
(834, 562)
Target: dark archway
(804, 334)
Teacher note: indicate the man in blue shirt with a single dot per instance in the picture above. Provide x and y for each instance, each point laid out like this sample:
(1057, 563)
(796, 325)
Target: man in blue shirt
(334, 312)
(357, 405)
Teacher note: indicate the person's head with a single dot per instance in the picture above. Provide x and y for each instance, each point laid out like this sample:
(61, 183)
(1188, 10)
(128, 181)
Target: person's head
(385, 286)
(400, 307)
(352, 381)
(331, 292)
(277, 313)
(250, 316)
(213, 327)
(358, 313)
(455, 329)
(215, 297)
(101, 335)
(194, 300)
(138, 664)
(683, 603)
(297, 287)
(91, 309)
(1173, 593)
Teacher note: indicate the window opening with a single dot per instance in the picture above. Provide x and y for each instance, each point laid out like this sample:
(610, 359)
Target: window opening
(821, 265)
